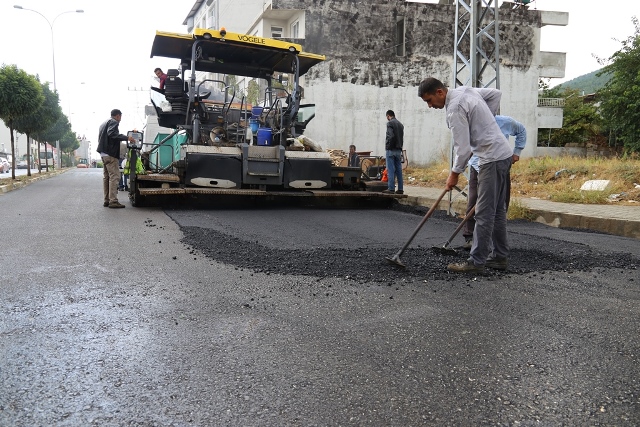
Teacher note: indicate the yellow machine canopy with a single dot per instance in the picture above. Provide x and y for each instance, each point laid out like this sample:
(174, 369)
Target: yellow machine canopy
(233, 53)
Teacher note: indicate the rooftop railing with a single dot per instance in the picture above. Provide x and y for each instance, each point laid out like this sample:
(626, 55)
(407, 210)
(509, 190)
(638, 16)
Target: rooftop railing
(551, 102)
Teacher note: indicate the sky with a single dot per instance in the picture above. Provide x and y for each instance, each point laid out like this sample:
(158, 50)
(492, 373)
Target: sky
(102, 56)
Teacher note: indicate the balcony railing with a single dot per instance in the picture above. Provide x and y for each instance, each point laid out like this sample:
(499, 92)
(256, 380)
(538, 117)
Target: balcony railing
(551, 102)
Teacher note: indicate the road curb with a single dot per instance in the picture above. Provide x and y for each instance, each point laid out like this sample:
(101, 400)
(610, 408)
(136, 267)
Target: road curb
(458, 206)
(618, 227)
(615, 226)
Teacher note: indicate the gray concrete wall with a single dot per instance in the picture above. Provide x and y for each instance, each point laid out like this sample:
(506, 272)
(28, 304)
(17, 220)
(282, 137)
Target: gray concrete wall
(363, 77)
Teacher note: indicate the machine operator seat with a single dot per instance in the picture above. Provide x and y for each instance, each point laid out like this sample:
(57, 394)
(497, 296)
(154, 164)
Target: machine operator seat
(174, 91)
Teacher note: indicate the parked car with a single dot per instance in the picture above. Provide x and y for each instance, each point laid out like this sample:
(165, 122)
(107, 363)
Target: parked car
(5, 166)
(22, 163)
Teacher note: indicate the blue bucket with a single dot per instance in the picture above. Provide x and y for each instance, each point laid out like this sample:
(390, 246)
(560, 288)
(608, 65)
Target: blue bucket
(265, 136)
(253, 124)
(256, 111)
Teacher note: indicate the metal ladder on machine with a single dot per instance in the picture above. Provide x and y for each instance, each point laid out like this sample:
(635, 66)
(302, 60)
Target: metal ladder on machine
(476, 57)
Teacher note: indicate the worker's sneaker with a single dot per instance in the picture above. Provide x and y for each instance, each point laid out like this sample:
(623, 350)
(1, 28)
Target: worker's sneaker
(497, 263)
(116, 205)
(399, 192)
(105, 204)
(465, 267)
(387, 191)
(467, 244)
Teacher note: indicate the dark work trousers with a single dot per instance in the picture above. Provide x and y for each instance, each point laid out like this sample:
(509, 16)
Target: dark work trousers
(490, 233)
(472, 192)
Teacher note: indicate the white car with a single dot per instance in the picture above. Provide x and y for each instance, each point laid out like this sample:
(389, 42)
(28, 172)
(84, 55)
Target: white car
(5, 166)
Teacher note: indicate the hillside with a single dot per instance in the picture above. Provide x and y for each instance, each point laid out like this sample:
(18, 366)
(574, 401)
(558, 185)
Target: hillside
(587, 83)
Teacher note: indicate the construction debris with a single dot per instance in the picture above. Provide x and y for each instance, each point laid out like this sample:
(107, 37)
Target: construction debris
(595, 185)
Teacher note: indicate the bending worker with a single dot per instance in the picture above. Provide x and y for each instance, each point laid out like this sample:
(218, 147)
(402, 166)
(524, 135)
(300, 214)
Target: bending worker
(470, 114)
(509, 127)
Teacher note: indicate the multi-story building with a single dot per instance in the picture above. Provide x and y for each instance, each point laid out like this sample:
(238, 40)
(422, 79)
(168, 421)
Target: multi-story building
(377, 54)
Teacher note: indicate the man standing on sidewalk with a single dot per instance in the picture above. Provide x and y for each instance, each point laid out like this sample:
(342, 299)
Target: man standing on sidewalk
(509, 127)
(470, 115)
(393, 146)
(109, 148)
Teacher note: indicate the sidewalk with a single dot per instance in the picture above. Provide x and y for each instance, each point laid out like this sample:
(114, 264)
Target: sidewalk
(35, 176)
(613, 219)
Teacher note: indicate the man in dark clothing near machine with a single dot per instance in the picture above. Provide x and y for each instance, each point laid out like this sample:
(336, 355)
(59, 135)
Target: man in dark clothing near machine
(393, 146)
(470, 114)
(354, 159)
(109, 148)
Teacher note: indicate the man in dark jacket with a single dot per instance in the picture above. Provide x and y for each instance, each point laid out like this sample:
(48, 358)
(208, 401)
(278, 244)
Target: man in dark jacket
(354, 159)
(393, 147)
(109, 149)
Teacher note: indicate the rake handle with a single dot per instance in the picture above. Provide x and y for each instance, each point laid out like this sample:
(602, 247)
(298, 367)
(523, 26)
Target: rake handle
(457, 230)
(426, 217)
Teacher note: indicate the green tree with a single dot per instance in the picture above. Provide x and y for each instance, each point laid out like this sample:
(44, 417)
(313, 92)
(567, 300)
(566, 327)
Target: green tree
(54, 132)
(620, 98)
(68, 144)
(581, 122)
(20, 95)
(253, 92)
(40, 119)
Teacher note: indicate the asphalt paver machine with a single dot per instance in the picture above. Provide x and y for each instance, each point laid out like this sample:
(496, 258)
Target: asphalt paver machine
(219, 144)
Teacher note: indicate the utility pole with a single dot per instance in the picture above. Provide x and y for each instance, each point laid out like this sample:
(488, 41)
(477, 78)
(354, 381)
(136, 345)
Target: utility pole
(476, 55)
(137, 103)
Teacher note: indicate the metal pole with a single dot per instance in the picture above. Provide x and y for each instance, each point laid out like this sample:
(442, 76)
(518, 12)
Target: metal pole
(53, 53)
(476, 52)
(53, 57)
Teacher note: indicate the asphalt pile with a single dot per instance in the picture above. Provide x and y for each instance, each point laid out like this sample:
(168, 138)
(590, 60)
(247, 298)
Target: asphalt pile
(368, 264)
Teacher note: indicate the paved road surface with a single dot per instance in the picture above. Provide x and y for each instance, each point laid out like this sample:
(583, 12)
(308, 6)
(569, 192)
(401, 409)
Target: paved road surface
(289, 317)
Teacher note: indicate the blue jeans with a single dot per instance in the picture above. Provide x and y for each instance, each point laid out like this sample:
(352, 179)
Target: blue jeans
(124, 179)
(394, 169)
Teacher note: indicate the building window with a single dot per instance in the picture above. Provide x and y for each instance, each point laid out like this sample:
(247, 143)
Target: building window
(295, 30)
(211, 17)
(400, 37)
(277, 32)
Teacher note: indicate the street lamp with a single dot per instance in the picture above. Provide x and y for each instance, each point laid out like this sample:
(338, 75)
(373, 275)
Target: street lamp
(53, 54)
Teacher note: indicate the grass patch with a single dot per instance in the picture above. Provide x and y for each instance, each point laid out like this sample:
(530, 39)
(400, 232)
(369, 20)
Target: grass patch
(518, 211)
(558, 179)
(432, 176)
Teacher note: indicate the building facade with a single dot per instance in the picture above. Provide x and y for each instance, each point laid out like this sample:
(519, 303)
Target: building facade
(377, 54)
(19, 141)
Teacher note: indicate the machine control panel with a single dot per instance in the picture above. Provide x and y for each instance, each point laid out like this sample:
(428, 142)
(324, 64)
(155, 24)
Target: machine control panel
(137, 136)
